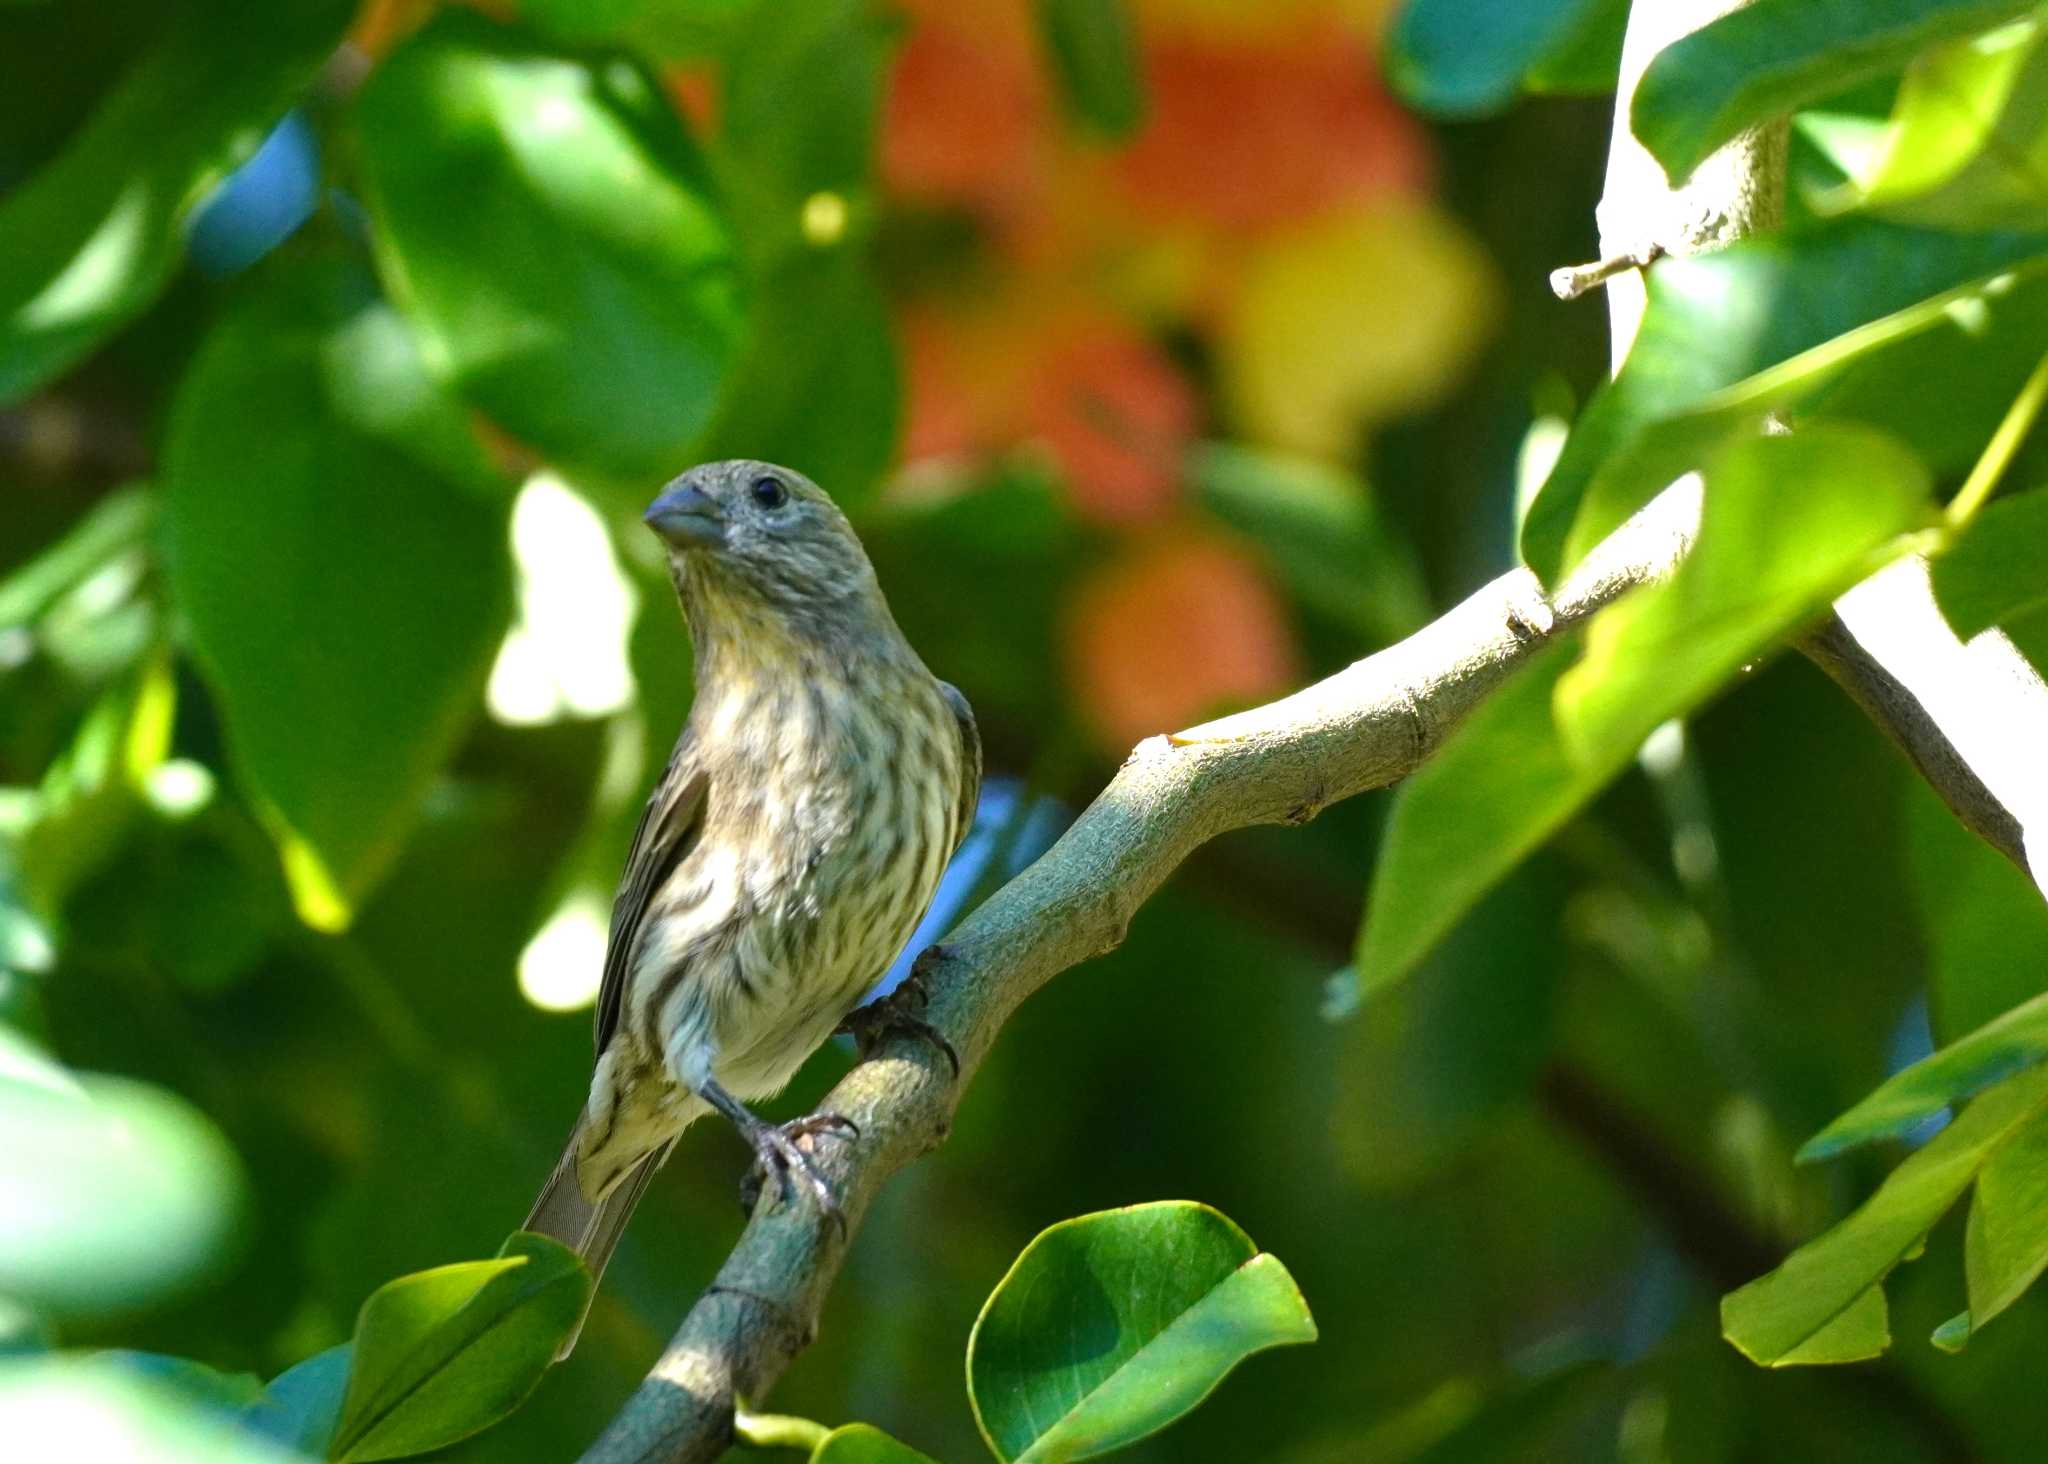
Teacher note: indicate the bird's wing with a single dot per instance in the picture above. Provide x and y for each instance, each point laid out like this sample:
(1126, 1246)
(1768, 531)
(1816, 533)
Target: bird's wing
(970, 760)
(667, 831)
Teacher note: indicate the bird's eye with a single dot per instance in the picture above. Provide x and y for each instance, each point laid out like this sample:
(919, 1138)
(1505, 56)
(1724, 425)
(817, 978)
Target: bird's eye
(769, 493)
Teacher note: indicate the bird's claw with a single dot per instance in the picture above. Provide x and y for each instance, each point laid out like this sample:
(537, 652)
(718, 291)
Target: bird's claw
(777, 1149)
(868, 1025)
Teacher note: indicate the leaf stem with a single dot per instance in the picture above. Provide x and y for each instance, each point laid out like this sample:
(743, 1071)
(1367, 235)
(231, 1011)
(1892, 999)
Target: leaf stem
(777, 1431)
(1998, 452)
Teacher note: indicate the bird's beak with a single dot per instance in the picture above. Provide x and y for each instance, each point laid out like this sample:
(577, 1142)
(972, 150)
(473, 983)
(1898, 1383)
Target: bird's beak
(687, 518)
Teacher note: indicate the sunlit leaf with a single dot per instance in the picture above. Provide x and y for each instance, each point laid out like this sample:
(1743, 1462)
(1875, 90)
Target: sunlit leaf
(344, 573)
(1778, 1318)
(444, 1353)
(862, 1443)
(1461, 58)
(1112, 1325)
(119, 1196)
(2006, 1245)
(584, 293)
(89, 241)
(1788, 523)
(78, 1408)
(1094, 53)
(1819, 305)
(1968, 141)
(1765, 60)
(116, 525)
(1995, 1051)
(1998, 569)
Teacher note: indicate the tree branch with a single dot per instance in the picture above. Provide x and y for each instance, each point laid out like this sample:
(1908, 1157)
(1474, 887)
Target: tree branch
(1369, 725)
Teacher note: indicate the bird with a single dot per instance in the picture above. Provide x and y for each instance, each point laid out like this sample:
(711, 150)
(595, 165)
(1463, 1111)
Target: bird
(821, 782)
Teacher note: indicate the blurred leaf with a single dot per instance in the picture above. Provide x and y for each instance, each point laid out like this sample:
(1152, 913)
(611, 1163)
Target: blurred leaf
(1464, 58)
(1996, 1051)
(2006, 1245)
(1586, 61)
(206, 1386)
(1500, 784)
(1325, 532)
(1111, 1326)
(861, 1443)
(345, 574)
(1094, 55)
(1968, 142)
(442, 1354)
(1985, 926)
(1998, 568)
(584, 292)
(1795, 1314)
(590, 20)
(88, 242)
(1768, 59)
(1952, 1335)
(117, 524)
(302, 1405)
(119, 1195)
(70, 1407)
(1403, 275)
(1813, 303)
(1787, 524)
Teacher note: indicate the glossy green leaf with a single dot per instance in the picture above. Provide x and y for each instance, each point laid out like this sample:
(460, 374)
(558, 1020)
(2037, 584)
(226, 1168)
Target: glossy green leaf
(1463, 58)
(1816, 304)
(1998, 568)
(1788, 523)
(584, 291)
(863, 1443)
(1324, 532)
(2006, 1245)
(345, 574)
(1112, 1325)
(442, 1354)
(1968, 141)
(1094, 54)
(1767, 59)
(1861, 1332)
(301, 1406)
(1501, 784)
(1775, 1319)
(91, 239)
(71, 1407)
(2014, 1042)
(119, 1195)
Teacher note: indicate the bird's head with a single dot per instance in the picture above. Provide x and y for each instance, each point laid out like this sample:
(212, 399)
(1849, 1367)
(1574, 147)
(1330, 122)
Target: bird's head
(752, 540)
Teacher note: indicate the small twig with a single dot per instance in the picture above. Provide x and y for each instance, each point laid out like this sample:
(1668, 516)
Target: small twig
(1575, 280)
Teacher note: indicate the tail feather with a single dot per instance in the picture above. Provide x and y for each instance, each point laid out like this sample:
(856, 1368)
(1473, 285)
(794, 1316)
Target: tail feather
(592, 1231)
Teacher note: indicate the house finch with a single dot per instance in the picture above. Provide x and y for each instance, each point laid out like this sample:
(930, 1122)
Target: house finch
(822, 781)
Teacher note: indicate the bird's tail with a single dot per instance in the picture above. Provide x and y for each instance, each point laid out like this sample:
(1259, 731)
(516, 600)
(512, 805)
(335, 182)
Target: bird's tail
(591, 1230)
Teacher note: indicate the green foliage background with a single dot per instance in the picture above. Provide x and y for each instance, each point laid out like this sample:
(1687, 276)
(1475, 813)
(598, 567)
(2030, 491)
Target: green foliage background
(267, 870)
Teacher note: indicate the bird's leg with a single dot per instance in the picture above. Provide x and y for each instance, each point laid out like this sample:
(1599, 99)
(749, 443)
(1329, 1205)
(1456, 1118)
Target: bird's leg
(776, 1149)
(869, 1024)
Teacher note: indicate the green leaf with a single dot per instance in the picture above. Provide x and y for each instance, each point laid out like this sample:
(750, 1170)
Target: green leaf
(584, 291)
(1967, 144)
(1952, 1335)
(1818, 305)
(2014, 1042)
(1464, 58)
(91, 239)
(119, 1195)
(1112, 1325)
(1787, 524)
(1861, 1332)
(863, 1443)
(1324, 530)
(1500, 785)
(302, 1405)
(1778, 1318)
(1094, 55)
(117, 525)
(2006, 1245)
(1985, 927)
(345, 573)
(1767, 59)
(1998, 568)
(442, 1354)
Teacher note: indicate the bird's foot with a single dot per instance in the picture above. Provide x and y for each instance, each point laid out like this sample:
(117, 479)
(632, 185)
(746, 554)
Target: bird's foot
(898, 1011)
(777, 1150)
